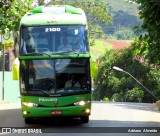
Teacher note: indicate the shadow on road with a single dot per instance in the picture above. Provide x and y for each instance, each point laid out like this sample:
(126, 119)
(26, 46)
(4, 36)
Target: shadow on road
(134, 106)
(139, 106)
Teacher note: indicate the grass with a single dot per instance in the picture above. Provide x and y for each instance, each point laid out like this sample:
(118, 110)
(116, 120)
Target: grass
(99, 48)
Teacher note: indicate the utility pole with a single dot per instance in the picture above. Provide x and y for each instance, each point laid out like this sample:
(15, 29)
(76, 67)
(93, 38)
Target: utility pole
(3, 67)
(3, 60)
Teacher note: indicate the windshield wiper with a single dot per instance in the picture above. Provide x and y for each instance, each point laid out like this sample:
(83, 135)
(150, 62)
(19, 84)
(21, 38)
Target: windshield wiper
(74, 88)
(41, 91)
(66, 52)
(36, 53)
(62, 52)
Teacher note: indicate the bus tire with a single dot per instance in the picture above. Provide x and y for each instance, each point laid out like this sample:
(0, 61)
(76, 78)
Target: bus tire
(85, 119)
(28, 120)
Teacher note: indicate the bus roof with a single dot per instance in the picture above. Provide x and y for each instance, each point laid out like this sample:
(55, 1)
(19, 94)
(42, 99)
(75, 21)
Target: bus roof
(54, 15)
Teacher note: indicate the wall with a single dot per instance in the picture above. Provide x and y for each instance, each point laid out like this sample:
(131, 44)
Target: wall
(11, 88)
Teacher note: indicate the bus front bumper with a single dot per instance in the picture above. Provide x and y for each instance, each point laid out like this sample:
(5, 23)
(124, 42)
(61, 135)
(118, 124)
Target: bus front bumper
(56, 111)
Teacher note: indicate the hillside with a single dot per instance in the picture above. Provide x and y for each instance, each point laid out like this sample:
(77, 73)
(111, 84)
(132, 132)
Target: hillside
(125, 15)
(123, 5)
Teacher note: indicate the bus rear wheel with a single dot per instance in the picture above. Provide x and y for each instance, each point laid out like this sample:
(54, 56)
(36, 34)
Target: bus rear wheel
(85, 119)
(28, 120)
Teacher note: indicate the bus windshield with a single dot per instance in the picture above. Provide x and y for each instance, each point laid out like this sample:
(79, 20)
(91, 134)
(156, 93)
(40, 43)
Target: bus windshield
(55, 77)
(53, 39)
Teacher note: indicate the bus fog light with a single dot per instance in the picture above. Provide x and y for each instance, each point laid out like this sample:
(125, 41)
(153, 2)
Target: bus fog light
(25, 112)
(87, 110)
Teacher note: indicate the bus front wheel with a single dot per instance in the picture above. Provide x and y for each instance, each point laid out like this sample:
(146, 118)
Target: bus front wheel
(28, 120)
(85, 119)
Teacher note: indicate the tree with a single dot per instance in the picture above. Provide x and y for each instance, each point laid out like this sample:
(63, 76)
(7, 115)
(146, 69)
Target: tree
(11, 12)
(124, 34)
(41, 2)
(148, 43)
(118, 86)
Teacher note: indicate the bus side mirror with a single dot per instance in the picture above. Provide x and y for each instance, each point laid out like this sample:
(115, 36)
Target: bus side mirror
(93, 67)
(15, 69)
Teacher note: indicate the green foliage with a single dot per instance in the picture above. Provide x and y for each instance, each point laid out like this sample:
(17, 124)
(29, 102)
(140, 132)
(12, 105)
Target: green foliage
(106, 99)
(119, 86)
(111, 37)
(5, 4)
(134, 95)
(125, 34)
(122, 34)
(148, 43)
(117, 97)
(41, 2)
(6, 45)
(154, 80)
(11, 12)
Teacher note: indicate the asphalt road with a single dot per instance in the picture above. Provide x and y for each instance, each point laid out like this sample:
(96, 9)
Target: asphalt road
(107, 119)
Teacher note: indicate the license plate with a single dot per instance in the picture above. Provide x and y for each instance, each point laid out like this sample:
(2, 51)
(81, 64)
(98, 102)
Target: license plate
(56, 112)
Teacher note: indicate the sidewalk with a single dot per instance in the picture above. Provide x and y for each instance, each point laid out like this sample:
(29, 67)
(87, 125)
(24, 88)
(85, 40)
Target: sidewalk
(4, 105)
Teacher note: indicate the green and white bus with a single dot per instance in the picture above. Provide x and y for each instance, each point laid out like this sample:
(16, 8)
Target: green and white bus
(43, 67)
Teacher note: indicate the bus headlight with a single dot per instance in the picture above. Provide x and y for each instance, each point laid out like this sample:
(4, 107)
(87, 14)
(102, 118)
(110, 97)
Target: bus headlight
(29, 104)
(81, 103)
